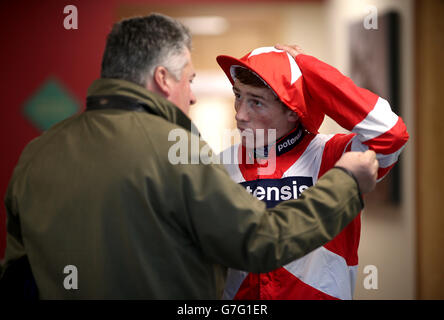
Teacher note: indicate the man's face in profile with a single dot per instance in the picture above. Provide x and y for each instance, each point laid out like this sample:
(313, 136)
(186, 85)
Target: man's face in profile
(259, 108)
(181, 94)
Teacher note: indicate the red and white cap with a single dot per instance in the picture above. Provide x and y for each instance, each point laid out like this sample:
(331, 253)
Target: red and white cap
(282, 74)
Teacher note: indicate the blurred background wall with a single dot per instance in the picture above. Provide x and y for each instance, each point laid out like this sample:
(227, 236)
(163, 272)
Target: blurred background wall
(47, 69)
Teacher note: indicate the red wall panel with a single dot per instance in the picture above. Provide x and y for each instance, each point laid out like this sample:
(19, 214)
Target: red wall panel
(36, 47)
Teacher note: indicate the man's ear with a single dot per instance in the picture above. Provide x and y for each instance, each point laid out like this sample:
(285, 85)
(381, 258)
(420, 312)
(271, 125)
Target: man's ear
(292, 116)
(162, 80)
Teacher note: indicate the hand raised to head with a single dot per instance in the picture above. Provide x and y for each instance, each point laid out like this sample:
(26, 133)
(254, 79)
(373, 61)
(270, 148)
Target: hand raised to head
(293, 50)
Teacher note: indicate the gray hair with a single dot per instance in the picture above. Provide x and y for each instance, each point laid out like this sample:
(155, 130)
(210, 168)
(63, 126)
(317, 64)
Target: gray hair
(136, 46)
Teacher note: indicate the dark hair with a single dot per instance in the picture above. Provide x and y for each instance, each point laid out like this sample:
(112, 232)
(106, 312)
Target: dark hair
(136, 46)
(248, 77)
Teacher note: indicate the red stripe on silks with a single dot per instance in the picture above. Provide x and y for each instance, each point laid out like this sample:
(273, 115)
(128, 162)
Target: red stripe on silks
(333, 150)
(349, 147)
(290, 287)
(390, 141)
(346, 243)
(279, 284)
(283, 162)
(311, 114)
(383, 171)
(343, 95)
(249, 289)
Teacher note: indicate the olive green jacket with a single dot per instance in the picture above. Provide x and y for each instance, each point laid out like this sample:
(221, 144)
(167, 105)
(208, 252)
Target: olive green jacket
(98, 192)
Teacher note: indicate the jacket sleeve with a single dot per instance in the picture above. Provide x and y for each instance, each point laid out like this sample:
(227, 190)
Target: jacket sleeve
(356, 109)
(16, 279)
(14, 237)
(236, 230)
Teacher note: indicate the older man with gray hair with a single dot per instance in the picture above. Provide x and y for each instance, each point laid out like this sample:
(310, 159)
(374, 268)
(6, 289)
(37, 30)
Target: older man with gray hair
(96, 209)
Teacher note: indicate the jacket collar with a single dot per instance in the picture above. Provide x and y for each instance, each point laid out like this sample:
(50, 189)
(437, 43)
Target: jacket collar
(283, 145)
(155, 104)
